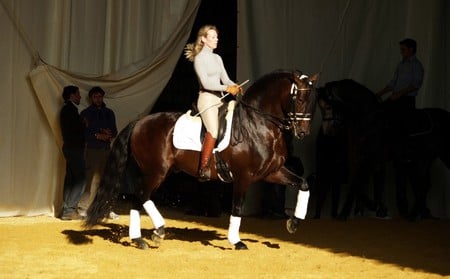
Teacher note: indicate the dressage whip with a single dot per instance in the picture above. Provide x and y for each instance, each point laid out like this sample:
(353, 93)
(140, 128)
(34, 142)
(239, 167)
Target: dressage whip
(213, 105)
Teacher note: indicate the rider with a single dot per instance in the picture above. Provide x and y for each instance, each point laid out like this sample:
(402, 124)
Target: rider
(213, 80)
(407, 78)
(405, 84)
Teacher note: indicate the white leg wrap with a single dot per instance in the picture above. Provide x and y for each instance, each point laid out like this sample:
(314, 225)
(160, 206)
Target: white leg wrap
(154, 214)
(233, 229)
(302, 204)
(135, 224)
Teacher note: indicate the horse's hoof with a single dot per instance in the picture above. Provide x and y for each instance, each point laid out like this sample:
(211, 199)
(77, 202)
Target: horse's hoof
(240, 246)
(158, 236)
(292, 224)
(140, 243)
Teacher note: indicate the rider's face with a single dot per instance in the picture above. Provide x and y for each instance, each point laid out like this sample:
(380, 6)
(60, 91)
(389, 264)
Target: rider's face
(211, 39)
(406, 52)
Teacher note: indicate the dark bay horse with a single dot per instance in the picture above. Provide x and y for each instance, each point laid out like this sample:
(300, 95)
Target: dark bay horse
(278, 101)
(355, 121)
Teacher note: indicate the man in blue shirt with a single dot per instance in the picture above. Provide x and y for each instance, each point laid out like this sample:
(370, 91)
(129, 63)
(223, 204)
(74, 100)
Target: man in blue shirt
(407, 79)
(100, 129)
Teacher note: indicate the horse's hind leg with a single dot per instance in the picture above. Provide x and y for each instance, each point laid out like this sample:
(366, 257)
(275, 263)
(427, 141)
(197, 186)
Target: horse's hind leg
(134, 230)
(157, 220)
(135, 225)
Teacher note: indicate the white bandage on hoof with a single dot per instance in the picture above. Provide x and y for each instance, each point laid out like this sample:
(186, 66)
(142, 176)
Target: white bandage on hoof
(152, 211)
(233, 229)
(302, 204)
(135, 224)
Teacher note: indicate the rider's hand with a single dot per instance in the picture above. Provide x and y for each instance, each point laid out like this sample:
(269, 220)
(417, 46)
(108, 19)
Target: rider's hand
(234, 89)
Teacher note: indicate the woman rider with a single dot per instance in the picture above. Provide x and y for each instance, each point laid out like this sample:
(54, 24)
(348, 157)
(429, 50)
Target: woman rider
(213, 79)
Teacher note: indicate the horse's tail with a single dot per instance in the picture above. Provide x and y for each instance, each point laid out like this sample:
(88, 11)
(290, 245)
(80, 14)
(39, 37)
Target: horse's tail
(109, 187)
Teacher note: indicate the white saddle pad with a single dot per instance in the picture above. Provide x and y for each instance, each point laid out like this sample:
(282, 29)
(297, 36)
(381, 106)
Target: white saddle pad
(186, 134)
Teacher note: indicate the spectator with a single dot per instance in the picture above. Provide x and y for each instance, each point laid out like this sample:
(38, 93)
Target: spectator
(73, 151)
(100, 129)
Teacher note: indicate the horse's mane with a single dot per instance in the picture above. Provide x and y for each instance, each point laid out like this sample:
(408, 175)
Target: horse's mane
(253, 96)
(261, 84)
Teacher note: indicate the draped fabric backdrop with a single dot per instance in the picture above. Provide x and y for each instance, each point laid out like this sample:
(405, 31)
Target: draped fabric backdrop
(130, 48)
(350, 39)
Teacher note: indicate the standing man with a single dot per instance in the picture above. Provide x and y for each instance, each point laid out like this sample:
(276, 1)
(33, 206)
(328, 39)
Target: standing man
(100, 129)
(73, 150)
(407, 79)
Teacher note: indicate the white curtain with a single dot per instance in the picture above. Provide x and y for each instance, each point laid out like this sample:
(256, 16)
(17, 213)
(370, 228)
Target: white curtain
(129, 48)
(350, 39)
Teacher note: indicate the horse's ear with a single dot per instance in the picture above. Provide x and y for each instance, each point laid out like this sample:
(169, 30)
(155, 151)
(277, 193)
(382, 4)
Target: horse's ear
(314, 78)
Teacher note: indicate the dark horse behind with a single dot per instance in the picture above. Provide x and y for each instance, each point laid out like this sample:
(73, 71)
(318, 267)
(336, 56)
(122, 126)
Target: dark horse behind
(279, 101)
(368, 135)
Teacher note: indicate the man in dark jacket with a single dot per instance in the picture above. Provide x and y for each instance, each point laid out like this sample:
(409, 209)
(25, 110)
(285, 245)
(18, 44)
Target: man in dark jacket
(100, 129)
(73, 149)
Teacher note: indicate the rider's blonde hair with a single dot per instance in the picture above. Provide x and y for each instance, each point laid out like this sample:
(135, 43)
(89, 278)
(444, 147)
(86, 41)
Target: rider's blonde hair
(192, 49)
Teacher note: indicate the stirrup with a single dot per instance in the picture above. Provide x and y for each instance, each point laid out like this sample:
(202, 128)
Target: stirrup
(204, 174)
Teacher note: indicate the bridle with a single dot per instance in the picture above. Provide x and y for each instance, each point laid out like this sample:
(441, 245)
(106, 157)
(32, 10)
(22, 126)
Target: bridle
(293, 117)
(333, 119)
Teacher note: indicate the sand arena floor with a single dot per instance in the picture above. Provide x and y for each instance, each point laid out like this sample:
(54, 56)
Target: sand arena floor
(196, 247)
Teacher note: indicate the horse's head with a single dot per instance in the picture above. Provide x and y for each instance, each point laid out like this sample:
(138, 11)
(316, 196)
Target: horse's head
(286, 98)
(330, 106)
(339, 100)
(303, 103)
(332, 119)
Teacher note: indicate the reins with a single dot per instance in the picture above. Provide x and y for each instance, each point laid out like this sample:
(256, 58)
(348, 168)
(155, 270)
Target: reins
(281, 123)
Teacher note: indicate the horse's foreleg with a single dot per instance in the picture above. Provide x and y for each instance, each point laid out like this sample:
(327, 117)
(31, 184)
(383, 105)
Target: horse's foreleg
(235, 222)
(286, 177)
(301, 208)
(157, 220)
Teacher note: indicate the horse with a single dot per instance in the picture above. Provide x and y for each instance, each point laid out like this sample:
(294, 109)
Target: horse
(277, 102)
(364, 127)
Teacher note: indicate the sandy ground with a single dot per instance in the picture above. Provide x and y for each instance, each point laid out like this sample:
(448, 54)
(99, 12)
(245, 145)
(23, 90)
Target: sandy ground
(196, 247)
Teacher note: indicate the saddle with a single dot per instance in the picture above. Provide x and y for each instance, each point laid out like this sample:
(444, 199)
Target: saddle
(189, 134)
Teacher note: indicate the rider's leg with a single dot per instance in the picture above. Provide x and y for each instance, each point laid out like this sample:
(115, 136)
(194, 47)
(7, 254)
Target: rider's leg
(208, 104)
(205, 156)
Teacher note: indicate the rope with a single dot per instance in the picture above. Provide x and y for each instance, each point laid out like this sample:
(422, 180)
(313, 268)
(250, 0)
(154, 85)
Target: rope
(33, 52)
(341, 21)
